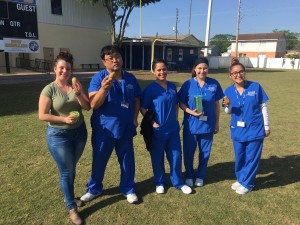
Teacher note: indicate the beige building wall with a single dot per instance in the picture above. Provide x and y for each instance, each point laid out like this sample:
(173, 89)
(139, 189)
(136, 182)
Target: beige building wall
(82, 29)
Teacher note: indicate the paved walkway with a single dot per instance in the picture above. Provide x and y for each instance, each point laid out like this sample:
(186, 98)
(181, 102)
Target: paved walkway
(26, 76)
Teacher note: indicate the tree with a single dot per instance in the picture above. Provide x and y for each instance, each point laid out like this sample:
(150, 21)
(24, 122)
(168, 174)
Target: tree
(124, 7)
(290, 37)
(222, 41)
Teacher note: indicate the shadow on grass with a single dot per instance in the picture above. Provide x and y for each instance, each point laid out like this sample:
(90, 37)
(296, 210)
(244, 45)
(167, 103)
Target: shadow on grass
(143, 188)
(273, 172)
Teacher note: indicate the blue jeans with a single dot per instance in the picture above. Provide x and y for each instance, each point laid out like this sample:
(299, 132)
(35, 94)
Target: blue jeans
(66, 147)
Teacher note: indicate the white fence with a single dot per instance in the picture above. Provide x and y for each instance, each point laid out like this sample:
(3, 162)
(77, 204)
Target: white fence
(217, 62)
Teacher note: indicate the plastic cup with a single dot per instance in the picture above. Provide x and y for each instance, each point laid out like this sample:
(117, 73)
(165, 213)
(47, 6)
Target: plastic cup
(198, 103)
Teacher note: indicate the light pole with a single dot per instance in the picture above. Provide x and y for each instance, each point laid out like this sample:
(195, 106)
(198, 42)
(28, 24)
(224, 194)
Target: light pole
(140, 18)
(207, 28)
(237, 29)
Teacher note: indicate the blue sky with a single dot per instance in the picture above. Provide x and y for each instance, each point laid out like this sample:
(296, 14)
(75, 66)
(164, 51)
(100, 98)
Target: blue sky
(257, 16)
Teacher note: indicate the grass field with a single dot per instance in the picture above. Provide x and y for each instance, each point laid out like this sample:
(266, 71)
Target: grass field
(29, 180)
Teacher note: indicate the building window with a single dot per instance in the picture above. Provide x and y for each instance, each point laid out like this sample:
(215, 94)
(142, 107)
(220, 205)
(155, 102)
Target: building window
(191, 51)
(169, 54)
(180, 55)
(56, 7)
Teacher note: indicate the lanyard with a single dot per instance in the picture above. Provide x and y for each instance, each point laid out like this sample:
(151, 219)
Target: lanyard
(241, 103)
(203, 89)
(122, 84)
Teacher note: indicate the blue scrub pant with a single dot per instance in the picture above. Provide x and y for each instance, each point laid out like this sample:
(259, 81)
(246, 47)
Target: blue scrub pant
(103, 146)
(172, 146)
(189, 147)
(247, 157)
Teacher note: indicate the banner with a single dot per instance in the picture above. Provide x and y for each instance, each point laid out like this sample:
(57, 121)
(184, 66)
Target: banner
(21, 45)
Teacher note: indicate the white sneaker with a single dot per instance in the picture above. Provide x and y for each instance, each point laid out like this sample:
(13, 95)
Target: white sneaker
(186, 189)
(235, 185)
(160, 189)
(88, 197)
(199, 182)
(132, 198)
(189, 182)
(242, 190)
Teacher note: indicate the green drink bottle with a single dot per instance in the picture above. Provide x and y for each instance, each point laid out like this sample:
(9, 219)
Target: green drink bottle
(198, 103)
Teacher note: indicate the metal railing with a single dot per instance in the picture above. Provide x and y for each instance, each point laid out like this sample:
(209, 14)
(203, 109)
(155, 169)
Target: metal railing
(38, 65)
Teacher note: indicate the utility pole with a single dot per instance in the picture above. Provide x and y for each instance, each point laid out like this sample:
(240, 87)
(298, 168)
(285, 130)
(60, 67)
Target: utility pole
(237, 29)
(140, 18)
(176, 28)
(190, 16)
(207, 28)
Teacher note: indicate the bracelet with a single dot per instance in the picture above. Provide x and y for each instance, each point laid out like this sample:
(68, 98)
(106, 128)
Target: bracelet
(78, 94)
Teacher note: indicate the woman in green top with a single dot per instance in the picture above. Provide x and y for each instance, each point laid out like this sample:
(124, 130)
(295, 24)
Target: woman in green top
(60, 105)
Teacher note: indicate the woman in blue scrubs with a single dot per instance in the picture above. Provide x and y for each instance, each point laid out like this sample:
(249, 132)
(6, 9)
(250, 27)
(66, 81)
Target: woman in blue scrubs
(161, 97)
(246, 102)
(199, 127)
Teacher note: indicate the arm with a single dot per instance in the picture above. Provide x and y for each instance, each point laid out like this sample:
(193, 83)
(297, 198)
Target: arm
(264, 110)
(217, 108)
(137, 106)
(177, 108)
(97, 97)
(81, 96)
(44, 115)
(189, 111)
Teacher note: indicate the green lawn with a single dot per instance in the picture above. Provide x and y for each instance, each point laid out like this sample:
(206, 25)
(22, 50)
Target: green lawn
(29, 181)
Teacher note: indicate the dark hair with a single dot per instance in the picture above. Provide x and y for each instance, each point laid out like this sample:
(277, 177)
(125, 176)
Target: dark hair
(109, 50)
(66, 56)
(156, 61)
(197, 62)
(235, 62)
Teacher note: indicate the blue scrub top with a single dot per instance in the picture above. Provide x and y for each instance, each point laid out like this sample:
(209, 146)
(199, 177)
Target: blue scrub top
(247, 108)
(211, 92)
(112, 117)
(164, 103)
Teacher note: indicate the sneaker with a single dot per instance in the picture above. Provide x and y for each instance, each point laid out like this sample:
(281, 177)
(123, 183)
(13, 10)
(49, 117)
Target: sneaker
(132, 198)
(160, 189)
(242, 190)
(199, 182)
(186, 189)
(88, 197)
(74, 217)
(235, 185)
(189, 182)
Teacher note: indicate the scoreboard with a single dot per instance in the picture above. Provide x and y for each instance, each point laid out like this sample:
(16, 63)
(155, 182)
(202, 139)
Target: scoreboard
(18, 19)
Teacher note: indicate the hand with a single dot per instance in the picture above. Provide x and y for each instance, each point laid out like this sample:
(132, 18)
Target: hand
(216, 129)
(106, 83)
(155, 125)
(267, 132)
(77, 88)
(195, 113)
(70, 119)
(226, 101)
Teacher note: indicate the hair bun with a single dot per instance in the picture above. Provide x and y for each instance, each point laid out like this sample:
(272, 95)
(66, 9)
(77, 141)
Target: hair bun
(234, 60)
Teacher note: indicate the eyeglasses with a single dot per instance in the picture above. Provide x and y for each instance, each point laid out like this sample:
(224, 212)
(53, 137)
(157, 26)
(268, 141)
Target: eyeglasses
(111, 58)
(236, 73)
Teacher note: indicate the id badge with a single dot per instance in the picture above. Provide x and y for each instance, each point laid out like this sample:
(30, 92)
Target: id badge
(203, 118)
(241, 124)
(125, 105)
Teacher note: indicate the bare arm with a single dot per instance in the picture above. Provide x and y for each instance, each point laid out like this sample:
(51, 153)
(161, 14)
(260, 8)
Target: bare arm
(44, 115)
(137, 106)
(97, 97)
(217, 108)
(81, 96)
(188, 110)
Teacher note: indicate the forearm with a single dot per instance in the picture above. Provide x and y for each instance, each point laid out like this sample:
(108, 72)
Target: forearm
(84, 101)
(51, 118)
(137, 108)
(217, 108)
(98, 99)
